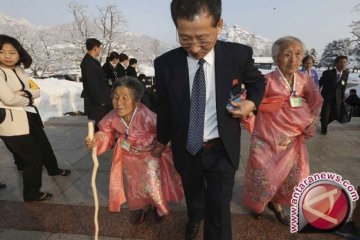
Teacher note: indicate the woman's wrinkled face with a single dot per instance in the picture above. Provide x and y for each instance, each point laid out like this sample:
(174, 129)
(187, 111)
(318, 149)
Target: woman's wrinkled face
(123, 102)
(289, 57)
(9, 56)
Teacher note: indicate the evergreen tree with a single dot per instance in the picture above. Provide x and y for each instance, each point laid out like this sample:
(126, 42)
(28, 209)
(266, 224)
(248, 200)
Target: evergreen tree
(334, 49)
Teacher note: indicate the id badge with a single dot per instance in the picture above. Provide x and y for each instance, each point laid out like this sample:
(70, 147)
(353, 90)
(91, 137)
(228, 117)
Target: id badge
(343, 82)
(125, 145)
(295, 102)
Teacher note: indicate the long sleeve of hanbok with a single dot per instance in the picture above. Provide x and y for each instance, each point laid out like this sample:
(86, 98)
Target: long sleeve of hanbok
(312, 96)
(105, 137)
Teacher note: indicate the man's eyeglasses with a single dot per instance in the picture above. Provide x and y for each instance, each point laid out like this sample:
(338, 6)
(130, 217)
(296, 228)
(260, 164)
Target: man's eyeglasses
(187, 42)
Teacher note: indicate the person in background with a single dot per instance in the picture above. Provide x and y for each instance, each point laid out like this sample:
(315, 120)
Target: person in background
(307, 67)
(110, 67)
(96, 91)
(142, 79)
(354, 101)
(131, 69)
(146, 96)
(123, 64)
(278, 158)
(147, 181)
(193, 84)
(22, 129)
(333, 84)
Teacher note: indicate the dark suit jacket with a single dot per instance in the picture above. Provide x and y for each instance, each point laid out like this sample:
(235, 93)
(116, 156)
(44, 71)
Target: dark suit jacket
(96, 91)
(232, 61)
(332, 90)
(131, 71)
(120, 70)
(109, 72)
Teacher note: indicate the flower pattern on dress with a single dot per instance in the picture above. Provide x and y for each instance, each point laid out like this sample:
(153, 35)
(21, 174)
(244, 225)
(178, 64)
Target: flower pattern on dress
(260, 188)
(257, 144)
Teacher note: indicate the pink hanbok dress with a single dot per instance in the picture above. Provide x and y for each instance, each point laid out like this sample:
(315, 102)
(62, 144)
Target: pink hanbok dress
(136, 177)
(278, 157)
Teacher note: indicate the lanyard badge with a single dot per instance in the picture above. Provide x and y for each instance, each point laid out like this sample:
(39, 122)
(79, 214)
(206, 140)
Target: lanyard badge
(295, 101)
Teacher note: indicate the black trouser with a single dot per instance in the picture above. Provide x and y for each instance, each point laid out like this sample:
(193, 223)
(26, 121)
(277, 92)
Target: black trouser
(35, 150)
(208, 180)
(96, 113)
(329, 112)
(18, 161)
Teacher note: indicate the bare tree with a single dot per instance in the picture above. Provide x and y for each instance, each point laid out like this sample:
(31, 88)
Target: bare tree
(355, 25)
(111, 22)
(81, 20)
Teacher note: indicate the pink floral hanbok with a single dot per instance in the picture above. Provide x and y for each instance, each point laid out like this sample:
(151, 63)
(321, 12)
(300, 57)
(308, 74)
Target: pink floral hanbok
(136, 177)
(278, 158)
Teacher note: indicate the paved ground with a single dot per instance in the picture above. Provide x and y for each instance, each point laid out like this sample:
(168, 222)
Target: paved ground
(69, 215)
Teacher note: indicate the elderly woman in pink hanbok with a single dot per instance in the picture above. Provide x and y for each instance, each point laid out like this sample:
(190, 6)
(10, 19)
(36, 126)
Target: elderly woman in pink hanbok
(278, 158)
(136, 176)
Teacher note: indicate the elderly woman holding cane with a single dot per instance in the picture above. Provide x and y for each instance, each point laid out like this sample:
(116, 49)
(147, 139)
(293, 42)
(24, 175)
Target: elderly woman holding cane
(148, 181)
(278, 158)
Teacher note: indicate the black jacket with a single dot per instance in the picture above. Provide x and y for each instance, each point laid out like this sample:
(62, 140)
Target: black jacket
(96, 92)
(232, 61)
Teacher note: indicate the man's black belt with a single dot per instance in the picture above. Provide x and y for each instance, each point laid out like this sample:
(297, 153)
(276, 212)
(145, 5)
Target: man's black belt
(210, 144)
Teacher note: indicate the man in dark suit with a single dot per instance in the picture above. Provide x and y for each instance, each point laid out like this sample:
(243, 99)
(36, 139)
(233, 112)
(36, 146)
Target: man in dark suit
(96, 92)
(207, 171)
(131, 69)
(122, 65)
(333, 84)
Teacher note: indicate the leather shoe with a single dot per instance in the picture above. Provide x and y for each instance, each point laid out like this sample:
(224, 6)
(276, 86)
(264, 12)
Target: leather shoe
(40, 196)
(279, 214)
(257, 215)
(141, 217)
(157, 217)
(61, 172)
(191, 230)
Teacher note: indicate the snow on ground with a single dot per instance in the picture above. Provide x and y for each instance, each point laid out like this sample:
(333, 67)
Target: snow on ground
(61, 96)
(58, 97)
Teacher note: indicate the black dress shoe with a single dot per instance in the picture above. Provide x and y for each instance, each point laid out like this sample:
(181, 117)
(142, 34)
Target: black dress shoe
(41, 196)
(157, 217)
(191, 230)
(257, 215)
(279, 214)
(2, 185)
(61, 172)
(141, 217)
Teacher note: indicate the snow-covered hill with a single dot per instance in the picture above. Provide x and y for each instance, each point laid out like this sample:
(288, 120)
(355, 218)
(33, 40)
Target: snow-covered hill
(261, 46)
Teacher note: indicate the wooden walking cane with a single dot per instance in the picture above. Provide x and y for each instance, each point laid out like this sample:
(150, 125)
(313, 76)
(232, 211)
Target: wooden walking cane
(93, 180)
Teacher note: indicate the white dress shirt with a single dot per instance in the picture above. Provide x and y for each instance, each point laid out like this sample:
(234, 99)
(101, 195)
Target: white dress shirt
(210, 122)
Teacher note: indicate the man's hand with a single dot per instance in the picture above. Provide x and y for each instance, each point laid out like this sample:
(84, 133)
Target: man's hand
(158, 149)
(242, 109)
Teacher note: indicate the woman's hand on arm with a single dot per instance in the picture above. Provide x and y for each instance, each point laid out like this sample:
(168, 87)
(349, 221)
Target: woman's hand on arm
(90, 143)
(158, 149)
